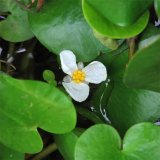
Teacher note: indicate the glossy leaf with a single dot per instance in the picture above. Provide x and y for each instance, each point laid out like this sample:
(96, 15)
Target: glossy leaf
(105, 27)
(145, 75)
(141, 142)
(149, 31)
(128, 106)
(127, 12)
(8, 154)
(15, 27)
(124, 106)
(27, 105)
(60, 25)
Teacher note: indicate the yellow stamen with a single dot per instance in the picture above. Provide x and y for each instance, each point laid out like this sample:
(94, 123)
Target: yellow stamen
(78, 76)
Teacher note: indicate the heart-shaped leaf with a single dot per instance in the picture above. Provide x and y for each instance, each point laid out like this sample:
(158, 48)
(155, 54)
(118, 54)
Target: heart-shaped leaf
(8, 154)
(15, 27)
(103, 25)
(27, 105)
(60, 25)
(141, 142)
(147, 74)
(127, 12)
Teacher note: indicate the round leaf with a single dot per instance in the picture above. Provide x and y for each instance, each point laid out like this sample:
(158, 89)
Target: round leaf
(27, 105)
(60, 25)
(104, 26)
(127, 12)
(145, 75)
(141, 142)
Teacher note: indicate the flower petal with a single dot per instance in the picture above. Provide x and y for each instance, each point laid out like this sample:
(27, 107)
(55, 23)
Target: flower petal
(68, 61)
(95, 72)
(78, 91)
(67, 79)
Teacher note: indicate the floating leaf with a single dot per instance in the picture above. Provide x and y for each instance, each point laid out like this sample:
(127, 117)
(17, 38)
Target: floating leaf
(141, 142)
(98, 21)
(127, 12)
(27, 105)
(124, 106)
(127, 106)
(60, 25)
(143, 70)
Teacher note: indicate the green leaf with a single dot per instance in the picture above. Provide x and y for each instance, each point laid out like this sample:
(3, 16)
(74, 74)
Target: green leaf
(127, 12)
(104, 26)
(27, 105)
(149, 31)
(49, 77)
(157, 7)
(108, 58)
(8, 154)
(141, 142)
(143, 70)
(127, 107)
(60, 25)
(124, 106)
(66, 143)
(16, 27)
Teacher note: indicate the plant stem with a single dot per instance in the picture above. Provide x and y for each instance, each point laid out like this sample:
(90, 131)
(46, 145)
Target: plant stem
(131, 44)
(9, 55)
(27, 61)
(47, 151)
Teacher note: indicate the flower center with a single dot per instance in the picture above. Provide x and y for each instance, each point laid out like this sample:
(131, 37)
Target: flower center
(78, 76)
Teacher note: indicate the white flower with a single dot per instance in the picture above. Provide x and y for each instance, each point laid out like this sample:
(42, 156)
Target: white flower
(76, 82)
